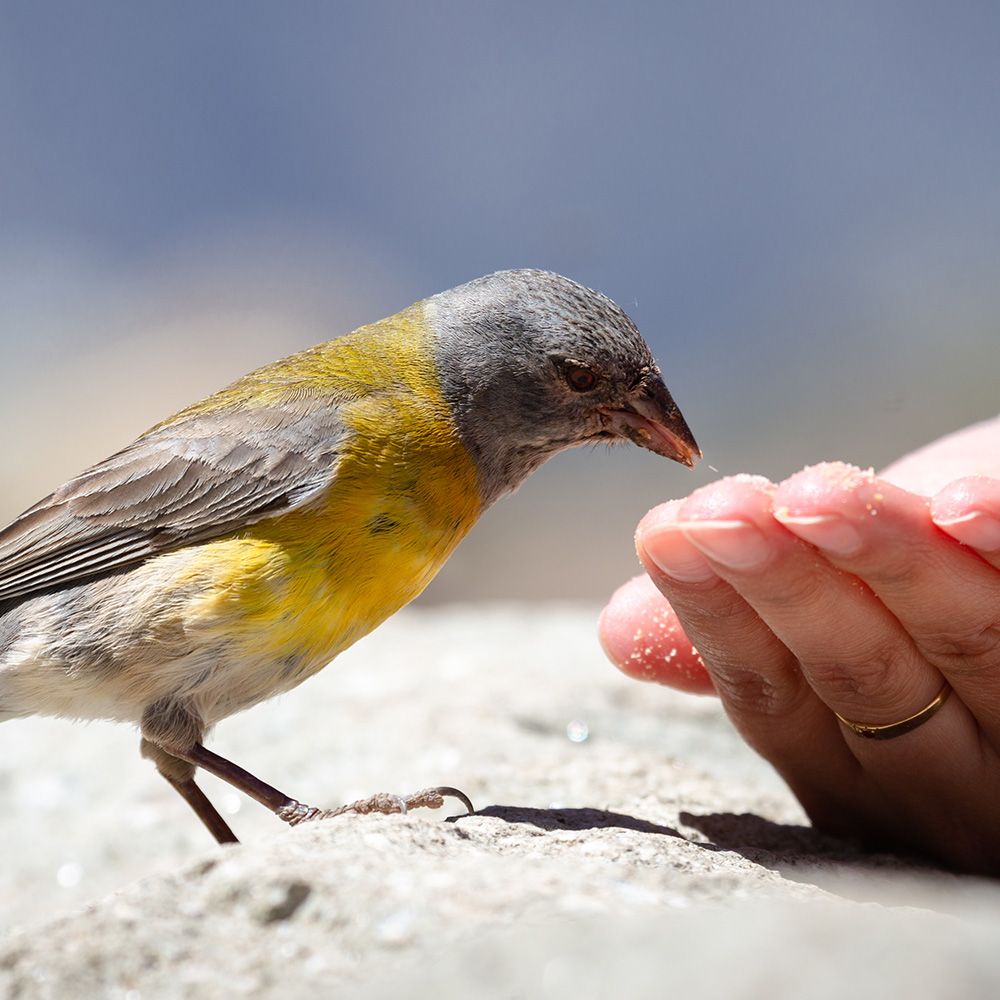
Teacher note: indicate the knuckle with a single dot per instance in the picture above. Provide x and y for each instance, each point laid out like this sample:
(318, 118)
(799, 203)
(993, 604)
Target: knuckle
(845, 682)
(974, 653)
(746, 691)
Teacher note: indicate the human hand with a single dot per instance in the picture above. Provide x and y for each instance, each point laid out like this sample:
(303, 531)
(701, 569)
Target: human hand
(837, 591)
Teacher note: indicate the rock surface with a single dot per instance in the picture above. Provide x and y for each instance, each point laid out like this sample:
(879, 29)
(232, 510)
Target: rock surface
(627, 843)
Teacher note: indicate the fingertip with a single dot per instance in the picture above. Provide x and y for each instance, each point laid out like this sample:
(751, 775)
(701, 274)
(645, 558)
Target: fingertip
(824, 486)
(669, 557)
(664, 513)
(968, 509)
(663, 539)
(664, 553)
(728, 498)
(641, 635)
(723, 498)
(965, 496)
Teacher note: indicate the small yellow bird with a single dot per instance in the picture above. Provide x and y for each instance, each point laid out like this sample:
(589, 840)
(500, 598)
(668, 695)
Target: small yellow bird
(237, 547)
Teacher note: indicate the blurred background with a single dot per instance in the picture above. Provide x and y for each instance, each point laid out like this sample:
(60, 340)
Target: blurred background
(798, 203)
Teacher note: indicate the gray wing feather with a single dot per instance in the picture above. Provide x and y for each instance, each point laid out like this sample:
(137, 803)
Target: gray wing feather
(180, 484)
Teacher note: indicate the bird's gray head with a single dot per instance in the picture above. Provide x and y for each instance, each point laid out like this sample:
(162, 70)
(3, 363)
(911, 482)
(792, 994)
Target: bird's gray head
(533, 363)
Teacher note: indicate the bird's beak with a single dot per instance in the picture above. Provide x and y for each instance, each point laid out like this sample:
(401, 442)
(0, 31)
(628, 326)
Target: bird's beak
(650, 418)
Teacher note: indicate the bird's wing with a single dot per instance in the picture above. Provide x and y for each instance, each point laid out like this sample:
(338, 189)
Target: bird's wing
(184, 482)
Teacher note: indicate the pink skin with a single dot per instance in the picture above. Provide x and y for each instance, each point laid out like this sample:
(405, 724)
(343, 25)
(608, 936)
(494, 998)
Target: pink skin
(841, 591)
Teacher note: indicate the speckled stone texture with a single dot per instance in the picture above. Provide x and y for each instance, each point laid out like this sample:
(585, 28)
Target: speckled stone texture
(626, 843)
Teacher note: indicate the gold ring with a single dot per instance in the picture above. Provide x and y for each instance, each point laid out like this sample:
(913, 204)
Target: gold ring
(891, 730)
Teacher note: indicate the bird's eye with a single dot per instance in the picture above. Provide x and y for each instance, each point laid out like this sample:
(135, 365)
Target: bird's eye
(580, 379)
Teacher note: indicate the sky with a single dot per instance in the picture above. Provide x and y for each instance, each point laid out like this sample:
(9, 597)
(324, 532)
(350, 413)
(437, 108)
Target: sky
(796, 202)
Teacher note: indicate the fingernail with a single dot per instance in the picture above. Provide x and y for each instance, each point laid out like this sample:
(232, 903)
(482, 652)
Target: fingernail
(674, 555)
(829, 532)
(735, 544)
(976, 529)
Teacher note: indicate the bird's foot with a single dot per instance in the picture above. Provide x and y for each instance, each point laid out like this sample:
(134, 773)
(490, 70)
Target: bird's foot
(382, 802)
(293, 812)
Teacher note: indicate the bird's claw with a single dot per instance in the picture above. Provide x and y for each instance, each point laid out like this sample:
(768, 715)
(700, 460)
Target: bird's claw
(294, 813)
(434, 798)
(383, 802)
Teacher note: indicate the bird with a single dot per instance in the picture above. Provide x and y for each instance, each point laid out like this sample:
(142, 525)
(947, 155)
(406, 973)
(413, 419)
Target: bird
(237, 547)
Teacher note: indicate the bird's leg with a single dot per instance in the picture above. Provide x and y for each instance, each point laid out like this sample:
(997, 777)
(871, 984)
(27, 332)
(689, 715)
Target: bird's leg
(172, 738)
(294, 812)
(207, 813)
(180, 774)
(165, 725)
(283, 806)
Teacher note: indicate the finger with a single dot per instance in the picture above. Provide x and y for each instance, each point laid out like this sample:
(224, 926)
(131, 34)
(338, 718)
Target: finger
(969, 510)
(643, 638)
(944, 596)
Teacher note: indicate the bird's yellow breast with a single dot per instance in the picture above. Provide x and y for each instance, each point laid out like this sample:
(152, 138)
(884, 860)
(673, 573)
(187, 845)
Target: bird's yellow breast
(298, 588)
